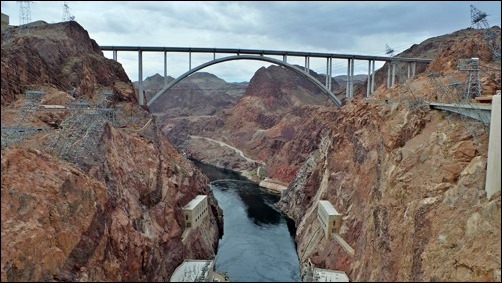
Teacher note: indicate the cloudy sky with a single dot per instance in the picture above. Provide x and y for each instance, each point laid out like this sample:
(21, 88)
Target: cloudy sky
(333, 27)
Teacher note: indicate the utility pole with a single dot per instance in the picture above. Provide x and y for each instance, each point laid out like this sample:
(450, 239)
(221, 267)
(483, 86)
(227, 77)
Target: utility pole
(66, 13)
(24, 12)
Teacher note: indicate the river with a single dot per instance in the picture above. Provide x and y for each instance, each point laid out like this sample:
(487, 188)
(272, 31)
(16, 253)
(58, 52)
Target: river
(258, 239)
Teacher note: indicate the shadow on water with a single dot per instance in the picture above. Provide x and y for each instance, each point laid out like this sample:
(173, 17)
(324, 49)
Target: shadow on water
(258, 241)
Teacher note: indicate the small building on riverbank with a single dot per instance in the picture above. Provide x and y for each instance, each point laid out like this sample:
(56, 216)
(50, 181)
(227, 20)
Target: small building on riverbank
(194, 270)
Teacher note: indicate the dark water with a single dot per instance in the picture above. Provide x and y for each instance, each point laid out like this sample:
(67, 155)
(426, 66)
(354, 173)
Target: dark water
(258, 239)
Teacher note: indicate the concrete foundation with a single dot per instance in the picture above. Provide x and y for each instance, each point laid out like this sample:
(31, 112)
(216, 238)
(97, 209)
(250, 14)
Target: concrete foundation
(492, 184)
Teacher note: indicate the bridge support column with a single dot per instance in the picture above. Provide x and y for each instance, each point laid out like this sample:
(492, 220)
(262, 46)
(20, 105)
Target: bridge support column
(307, 64)
(115, 55)
(492, 184)
(352, 78)
(347, 88)
(214, 55)
(285, 58)
(327, 73)
(393, 80)
(368, 84)
(141, 98)
(409, 70)
(413, 68)
(388, 74)
(373, 77)
(189, 60)
(349, 93)
(165, 68)
(330, 74)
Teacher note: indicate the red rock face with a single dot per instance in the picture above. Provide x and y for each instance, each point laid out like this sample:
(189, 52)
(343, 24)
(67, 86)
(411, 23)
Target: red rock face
(114, 215)
(48, 55)
(410, 184)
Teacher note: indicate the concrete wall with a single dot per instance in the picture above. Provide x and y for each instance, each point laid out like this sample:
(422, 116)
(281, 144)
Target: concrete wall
(492, 184)
(329, 218)
(195, 211)
(5, 20)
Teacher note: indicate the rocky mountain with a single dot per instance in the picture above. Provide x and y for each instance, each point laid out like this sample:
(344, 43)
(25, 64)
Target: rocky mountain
(342, 79)
(96, 193)
(445, 65)
(275, 123)
(408, 180)
(200, 94)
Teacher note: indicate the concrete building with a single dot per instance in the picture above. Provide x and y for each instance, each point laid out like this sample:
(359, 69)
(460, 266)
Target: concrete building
(5, 20)
(329, 218)
(195, 211)
(192, 270)
(492, 185)
(326, 275)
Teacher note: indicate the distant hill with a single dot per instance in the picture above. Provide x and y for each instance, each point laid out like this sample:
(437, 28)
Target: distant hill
(200, 94)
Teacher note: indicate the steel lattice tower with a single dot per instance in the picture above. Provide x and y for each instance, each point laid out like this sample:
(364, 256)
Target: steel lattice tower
(24, 12)
(66, 13)
(478, 20)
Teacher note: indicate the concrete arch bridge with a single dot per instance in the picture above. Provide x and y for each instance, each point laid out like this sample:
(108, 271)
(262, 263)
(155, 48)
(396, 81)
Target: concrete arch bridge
(264, 55)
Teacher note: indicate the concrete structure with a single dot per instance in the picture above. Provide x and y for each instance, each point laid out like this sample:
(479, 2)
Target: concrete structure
(192, 270)
(326, 275)
(273, 186)
(329, 218)
(480, 112)
(312, 274)
(346, 247)
(195, 211)
(251, 54)
(5, 20)
(492, 184)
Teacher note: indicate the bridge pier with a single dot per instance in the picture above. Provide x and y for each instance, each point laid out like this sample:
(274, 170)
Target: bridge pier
(373, 77)
(493, 183)
(368, 84)
(349, 92)
(140, 78)
(409, 70)
(329, 71)
(388, 75)
(165, 68)
(115, 55)
(189, 60)
(285, 58)
(413, 68)
(393, 80)
(307, 64)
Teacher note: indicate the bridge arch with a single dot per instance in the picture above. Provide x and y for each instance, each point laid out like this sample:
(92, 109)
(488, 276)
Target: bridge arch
(247, 57)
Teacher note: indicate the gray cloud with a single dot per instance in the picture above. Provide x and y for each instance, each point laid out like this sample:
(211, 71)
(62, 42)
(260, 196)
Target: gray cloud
(332, 26)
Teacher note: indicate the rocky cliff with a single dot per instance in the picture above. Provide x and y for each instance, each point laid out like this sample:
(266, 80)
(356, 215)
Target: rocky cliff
(409, 182)
(103, 204)
(276, 123)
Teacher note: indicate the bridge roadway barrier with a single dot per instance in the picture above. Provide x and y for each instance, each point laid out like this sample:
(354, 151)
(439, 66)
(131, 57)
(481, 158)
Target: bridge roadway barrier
(478, 112)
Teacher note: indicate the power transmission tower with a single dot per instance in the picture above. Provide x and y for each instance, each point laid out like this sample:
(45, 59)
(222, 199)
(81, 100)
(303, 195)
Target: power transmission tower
(389, 51)
(24, 12)
(478, 19)
(473, 87)
(66, 13)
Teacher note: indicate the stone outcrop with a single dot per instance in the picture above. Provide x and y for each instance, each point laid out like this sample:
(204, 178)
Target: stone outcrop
(410, 184)
(78, 69)
(116, 213)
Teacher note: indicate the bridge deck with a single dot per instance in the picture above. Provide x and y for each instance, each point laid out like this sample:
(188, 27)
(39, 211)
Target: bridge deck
(261, 52)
